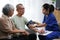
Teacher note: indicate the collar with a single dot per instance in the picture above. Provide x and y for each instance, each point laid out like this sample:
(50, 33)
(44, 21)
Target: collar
(6, 17)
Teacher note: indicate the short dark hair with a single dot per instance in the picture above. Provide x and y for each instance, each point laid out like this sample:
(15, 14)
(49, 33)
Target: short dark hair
(51, 8)
(46, 6)
(7, 8)
(18, 5)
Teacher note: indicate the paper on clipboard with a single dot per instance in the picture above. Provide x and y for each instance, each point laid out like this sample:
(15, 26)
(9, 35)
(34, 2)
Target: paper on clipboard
(46, 31)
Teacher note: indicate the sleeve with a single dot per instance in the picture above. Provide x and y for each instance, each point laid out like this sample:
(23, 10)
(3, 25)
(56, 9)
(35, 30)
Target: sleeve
(13, 21)
(43, 20)
(25, 20)
(52, 24)
(51, 21)
(4, 27)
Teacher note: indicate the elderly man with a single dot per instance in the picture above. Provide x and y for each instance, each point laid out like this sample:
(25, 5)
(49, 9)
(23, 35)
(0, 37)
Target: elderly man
(7, 27)
(21, 21)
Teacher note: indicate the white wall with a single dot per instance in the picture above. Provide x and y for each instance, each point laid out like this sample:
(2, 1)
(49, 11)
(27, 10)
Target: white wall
(33, 8)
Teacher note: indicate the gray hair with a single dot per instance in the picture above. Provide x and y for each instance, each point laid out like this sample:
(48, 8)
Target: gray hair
(7, 8)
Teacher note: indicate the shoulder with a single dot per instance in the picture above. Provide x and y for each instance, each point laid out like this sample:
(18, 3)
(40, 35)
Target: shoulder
(14, 17)
(24, 17)
(52, 16)
(2, 20)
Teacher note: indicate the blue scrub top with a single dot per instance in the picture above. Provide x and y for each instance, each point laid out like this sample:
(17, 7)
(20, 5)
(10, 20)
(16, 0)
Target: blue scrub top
(51, 22)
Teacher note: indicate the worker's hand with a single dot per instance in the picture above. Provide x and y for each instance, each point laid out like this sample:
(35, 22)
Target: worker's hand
(41, 31)
(41, 25)
(44, 24)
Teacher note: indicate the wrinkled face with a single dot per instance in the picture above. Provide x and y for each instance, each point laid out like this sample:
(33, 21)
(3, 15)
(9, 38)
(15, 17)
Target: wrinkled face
(20, 10)
(44, 11)
(11, 12)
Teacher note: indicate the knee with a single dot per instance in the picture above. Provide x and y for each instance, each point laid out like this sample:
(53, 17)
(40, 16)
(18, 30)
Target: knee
(49, 37)
(32, 35)
(41, 37)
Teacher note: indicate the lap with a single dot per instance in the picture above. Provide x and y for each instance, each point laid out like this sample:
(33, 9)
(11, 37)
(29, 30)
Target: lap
(5, 39)
(50, 36)
(53, 35)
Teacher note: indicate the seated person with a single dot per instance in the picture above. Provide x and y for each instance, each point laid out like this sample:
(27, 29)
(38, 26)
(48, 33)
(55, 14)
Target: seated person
(20, 23)
(49, 22)
(7, 28)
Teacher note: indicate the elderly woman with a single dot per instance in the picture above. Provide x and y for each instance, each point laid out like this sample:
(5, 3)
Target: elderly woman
(7, 27)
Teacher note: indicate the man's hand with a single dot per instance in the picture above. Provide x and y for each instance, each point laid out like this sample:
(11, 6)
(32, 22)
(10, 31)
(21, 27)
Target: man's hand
(31, 26)
(22, 31)
(25, 33)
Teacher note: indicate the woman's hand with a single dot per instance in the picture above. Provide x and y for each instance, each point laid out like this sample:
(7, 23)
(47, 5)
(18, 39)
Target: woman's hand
(41, 25)
(41, 31)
